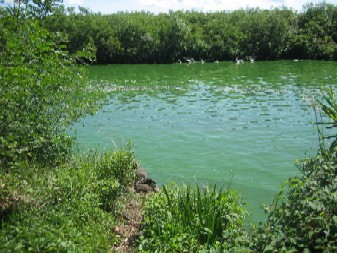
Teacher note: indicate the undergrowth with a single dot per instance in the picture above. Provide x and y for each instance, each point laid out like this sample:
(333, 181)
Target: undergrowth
(68, 209)
(186, 219)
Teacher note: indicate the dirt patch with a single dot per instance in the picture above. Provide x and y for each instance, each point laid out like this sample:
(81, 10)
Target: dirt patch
(132, 214)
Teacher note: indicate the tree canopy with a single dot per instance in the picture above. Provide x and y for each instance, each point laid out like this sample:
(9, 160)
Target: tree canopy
(144, 37)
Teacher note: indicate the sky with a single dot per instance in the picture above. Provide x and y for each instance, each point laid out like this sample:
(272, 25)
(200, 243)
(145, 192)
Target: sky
(156, 6)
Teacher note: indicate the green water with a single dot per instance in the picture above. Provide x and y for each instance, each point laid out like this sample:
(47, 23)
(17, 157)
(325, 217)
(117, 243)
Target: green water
(210, 122)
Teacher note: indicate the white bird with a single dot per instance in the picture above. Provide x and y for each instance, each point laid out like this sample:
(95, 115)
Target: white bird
(238, 61)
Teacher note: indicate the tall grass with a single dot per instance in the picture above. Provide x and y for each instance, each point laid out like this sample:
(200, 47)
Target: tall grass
(186, 219)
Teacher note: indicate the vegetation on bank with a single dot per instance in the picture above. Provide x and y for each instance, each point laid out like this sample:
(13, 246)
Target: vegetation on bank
(42, 91)
(51, 201)
(143, 37)
(185, 219)
(69, 208)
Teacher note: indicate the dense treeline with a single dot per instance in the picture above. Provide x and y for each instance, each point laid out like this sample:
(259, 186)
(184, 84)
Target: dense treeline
(143, 37)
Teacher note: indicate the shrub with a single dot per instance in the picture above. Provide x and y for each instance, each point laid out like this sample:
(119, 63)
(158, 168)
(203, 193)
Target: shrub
(63, 213)
(119, 164)
(115, 172)
(42, 90)
(182, 219)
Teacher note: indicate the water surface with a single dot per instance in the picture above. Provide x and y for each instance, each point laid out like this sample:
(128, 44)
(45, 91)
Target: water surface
(208, 123)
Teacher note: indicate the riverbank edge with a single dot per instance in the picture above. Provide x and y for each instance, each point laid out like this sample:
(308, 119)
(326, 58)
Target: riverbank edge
(131, 216)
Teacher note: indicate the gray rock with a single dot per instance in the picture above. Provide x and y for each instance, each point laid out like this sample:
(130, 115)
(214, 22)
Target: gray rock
(143, 188)
(143, 183)
(141, 174)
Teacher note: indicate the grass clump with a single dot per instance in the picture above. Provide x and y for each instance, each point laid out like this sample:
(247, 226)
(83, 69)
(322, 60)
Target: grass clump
(67, 209)
(186, 219)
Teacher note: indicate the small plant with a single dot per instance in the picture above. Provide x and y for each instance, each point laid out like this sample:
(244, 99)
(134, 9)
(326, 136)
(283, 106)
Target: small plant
(119, 165)
(115, 172)
(185, 219)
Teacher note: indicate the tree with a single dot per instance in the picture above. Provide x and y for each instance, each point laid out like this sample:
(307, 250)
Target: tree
(316, 34)
(42, 90)
(142, 37)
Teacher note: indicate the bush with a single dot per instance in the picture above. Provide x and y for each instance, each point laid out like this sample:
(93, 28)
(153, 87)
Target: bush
(117, 164)
(305, 214)
(182, 219)
(42, 91)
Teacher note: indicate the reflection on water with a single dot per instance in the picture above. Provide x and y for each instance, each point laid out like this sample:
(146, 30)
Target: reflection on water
(205, 122)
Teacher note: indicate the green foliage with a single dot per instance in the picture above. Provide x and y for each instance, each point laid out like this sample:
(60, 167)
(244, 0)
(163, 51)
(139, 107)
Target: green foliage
(142, 37)
(330, 111)
(314, 35)
(304, 214)
(62, 210)
(42, 91)
(182, 219)
(115, 172)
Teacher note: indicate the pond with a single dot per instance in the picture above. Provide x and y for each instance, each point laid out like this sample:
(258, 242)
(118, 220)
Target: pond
(237, 125)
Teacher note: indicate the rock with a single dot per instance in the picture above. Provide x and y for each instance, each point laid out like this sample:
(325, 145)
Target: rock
(141, 174)
(143, 183)
(143, 188)
(148, 181)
